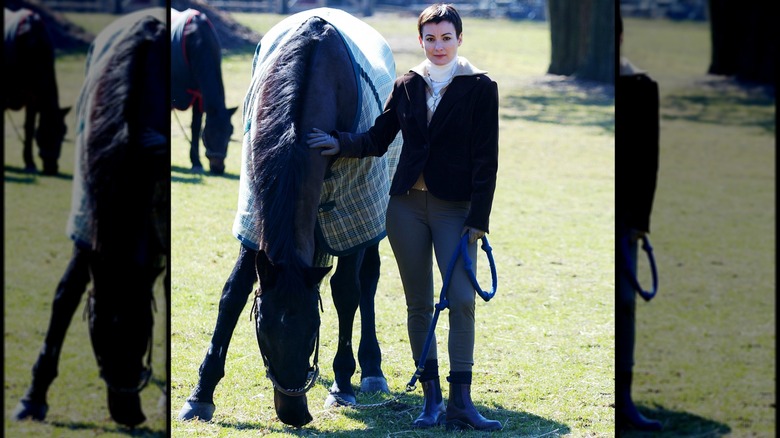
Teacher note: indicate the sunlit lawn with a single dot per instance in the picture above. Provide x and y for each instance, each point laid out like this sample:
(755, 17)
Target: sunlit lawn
(705, 356)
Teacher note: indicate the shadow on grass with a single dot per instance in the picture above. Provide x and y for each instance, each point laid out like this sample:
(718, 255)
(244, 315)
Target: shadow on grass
(561, 100)
(678, 423)
(396, 418)
(723, 101)
(95, 429)
(186, 176)
(14, 174)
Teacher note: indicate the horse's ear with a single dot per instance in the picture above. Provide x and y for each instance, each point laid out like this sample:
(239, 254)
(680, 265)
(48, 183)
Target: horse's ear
(231, 111)
(266, 271)
(313, 276)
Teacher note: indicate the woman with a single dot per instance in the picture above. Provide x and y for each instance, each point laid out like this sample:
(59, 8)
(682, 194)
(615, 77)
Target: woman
(636, 174)
(447, 112)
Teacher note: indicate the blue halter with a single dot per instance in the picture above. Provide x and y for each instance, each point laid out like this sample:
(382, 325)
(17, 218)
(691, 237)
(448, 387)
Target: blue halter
(461, 250)
(649, 294)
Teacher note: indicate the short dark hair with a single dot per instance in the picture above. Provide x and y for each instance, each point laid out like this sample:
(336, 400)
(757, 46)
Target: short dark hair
(438, 12)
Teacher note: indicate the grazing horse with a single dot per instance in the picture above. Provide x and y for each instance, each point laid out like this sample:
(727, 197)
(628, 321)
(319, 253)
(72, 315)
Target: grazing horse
(120, 214)
(28, 67)
(321, 68)
(196, 81)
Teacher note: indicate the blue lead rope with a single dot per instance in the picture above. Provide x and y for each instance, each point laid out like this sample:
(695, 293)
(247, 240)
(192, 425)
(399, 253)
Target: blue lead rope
(461, 250)
(647, 295)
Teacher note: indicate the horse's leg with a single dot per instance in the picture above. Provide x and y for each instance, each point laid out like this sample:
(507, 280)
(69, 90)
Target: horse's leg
(200, 404)
(197, 120)
(345, 288)
(66, 299)
(369, 354)
(29, 133)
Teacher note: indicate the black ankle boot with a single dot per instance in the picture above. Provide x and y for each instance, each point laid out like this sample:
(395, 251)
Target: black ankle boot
(433, 405)
(461, 413)
(626, 414)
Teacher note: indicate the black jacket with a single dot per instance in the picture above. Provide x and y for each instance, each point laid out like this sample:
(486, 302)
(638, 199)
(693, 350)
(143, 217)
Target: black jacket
(457, 152)
(636, 150)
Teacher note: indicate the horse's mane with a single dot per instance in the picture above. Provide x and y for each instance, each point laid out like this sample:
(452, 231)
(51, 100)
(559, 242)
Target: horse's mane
(117, 175)
(279, 151)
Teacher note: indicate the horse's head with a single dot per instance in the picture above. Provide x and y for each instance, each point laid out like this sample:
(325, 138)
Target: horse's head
(287, 325)
(216, 136)
(50, 135)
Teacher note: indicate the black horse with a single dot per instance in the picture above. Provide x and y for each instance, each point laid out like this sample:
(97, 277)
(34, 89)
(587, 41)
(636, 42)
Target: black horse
(304, 77)
(120, 218)
(28, 67)
(196, 81)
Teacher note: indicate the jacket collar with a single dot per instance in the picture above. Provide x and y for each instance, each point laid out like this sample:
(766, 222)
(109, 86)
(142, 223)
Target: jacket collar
(465, 78)
(464, 68)
(629, 69)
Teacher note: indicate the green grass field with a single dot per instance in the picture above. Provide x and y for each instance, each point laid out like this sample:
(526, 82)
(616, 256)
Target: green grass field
(705, 355)
(37, 252)
(544, 359)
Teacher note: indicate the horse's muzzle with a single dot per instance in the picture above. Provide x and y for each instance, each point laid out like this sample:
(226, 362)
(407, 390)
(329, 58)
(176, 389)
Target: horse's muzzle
(217, 166)
(292, 410)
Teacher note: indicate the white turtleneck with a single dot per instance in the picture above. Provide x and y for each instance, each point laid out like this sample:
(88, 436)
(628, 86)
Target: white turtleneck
(441, 73)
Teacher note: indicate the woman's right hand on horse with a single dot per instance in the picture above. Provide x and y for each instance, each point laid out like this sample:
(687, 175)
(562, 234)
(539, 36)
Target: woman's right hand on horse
(321, 139)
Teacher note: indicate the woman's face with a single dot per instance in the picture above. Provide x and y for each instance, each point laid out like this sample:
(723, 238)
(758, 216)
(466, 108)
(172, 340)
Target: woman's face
(440, 42)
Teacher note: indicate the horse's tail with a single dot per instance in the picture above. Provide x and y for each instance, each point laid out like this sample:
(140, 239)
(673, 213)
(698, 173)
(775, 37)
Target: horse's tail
(119, 184)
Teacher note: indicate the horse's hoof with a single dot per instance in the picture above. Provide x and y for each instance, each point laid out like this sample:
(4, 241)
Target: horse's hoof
(198, 170)
(374, 384)
(197, 410)
(340, 399)
(30, 168)
(28, 409)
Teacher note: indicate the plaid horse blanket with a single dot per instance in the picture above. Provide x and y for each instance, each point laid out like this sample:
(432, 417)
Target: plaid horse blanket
(355, 192)
(78, 227)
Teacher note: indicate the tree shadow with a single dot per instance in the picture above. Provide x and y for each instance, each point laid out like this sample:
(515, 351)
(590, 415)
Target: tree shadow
(723, 101)
(678, 423)
(14, 174)
(562, 100)
(185, 175)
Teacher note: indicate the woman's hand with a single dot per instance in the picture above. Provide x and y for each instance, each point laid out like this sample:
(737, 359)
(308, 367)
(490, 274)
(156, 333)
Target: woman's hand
(474, 234)
(321, 139)
(637, 234)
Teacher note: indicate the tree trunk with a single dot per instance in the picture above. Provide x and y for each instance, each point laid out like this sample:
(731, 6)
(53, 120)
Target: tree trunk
(744, 40)
(582, 35)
